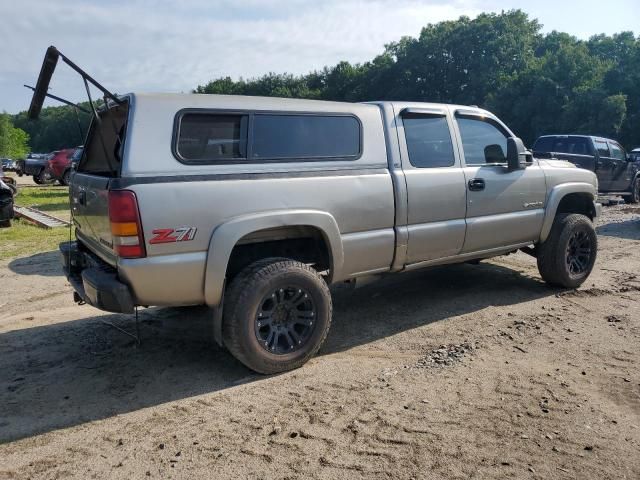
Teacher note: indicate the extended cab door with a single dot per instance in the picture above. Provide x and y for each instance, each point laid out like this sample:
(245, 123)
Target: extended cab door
(435, 184)
(503, 207)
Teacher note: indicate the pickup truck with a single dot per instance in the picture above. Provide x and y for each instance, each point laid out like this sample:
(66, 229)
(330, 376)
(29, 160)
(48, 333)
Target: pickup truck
(618, 172)
(35, 165)
(254, 206)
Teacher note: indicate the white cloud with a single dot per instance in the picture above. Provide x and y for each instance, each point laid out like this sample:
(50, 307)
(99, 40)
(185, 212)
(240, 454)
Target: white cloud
(174, 46)
(168, 45)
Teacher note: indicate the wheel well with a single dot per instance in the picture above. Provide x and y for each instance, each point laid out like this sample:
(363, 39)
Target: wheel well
(577, 203)
(302, 243)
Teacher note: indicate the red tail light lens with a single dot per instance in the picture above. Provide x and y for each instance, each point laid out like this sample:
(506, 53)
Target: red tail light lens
(126, 228)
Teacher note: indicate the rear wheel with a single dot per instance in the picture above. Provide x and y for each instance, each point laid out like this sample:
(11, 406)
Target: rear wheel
(40, 178)
(277, 314)
(634, 197)
(65, 178)
(567, 256)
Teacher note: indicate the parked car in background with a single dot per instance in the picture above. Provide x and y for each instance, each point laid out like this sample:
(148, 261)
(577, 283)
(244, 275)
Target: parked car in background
(58, 167)
(75, 158)
(7, 192)
(8, 165)
(617, 172)
(35, 165)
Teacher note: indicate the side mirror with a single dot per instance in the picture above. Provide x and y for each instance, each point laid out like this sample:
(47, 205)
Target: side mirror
(518, 157)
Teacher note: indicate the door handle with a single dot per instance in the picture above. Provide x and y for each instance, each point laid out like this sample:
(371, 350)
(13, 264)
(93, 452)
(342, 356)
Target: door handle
(82, 198)
(476, 184)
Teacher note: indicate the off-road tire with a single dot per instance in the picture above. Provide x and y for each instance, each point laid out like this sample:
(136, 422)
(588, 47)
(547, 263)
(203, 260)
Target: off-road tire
(634, 197)
(553, 253)
(244, 298)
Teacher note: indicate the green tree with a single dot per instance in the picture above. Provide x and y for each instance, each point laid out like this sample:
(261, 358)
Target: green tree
(14, 142)
(56, 128)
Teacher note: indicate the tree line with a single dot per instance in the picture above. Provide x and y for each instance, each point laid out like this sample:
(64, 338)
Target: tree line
(13, 141)
(537, 83)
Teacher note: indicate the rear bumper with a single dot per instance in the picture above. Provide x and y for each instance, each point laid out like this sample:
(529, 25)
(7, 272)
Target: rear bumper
(94, 281)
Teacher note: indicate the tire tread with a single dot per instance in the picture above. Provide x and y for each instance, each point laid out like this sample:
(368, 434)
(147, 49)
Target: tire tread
(550, 262)
(238, 295)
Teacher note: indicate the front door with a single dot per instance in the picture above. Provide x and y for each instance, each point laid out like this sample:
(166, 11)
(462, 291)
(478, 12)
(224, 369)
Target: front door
(620, 172)
(435, 185)
(503, 207)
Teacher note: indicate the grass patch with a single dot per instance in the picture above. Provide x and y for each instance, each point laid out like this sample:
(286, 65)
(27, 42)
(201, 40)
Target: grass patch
(23, 238)
(44, 198)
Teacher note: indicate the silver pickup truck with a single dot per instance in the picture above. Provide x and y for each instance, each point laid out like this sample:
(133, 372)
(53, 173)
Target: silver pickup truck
(258, 204)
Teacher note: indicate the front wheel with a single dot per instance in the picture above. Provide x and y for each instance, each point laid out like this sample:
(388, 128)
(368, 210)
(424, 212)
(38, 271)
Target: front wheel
(567, 256)
(634, 197)
(277, 314)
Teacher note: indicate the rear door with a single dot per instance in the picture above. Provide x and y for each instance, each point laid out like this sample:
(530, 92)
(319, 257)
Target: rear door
(503, 207)
(435, 184)
(100, 163)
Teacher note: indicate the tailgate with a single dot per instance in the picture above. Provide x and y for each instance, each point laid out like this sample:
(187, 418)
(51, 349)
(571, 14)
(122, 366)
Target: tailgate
(90, 211)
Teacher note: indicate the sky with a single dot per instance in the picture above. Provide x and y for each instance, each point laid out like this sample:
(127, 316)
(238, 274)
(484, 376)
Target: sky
(173, 46)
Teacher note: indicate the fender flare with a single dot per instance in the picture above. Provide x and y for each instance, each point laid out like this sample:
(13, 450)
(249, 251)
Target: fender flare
(226, 236)
(555, 197)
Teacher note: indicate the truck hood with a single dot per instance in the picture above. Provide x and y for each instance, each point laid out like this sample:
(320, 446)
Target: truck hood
(558, 171)
(554, 162)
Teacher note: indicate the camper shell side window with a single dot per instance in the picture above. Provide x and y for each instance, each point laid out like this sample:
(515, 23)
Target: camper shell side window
(203, 136)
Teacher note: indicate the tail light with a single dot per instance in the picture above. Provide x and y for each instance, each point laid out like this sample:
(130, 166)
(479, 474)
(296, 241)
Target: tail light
(126, 228)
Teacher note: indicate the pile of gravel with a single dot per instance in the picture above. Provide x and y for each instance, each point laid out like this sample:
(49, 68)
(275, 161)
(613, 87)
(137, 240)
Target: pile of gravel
(446, 355)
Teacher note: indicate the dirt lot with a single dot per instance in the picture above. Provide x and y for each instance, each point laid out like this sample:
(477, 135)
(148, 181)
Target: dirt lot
(458, 372)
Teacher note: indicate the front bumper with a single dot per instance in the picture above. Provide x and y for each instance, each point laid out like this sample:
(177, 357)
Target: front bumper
(94, 281)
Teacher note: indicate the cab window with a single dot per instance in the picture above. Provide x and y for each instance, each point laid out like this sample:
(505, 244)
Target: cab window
(484, 142)
(616, 151)
(428, 141)
(603, 148)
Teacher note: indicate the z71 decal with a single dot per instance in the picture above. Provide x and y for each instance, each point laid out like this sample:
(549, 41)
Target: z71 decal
(171, 235)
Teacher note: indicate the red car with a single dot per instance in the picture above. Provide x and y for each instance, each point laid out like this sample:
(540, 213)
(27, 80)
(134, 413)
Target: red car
(59, 166)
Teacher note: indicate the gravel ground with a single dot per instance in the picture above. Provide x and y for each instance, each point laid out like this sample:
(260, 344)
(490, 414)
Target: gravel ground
(468, 371)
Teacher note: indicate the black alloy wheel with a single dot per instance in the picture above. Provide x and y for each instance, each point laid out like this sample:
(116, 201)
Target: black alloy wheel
(579, 250)
(285, 320)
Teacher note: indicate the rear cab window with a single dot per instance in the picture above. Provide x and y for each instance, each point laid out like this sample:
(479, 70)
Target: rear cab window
(543, 144)
(209, 138)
